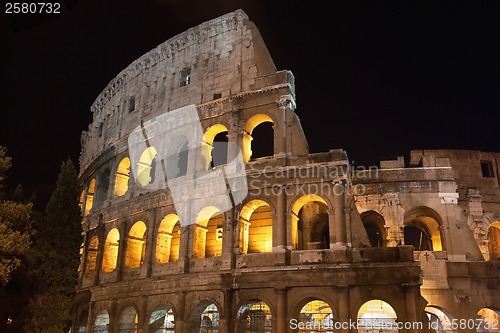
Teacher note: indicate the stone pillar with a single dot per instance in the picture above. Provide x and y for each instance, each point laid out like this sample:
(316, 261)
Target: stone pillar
(90, 318)
(228, 242)
(100, 254)
(184, 248)
(226, 324)
(114, 318)
(282, 104)
(340, 220)
(279, 235)
(149, 256)
(411, 312)
(282, 322)
(143, 325)
(180, 321)
(122, 250)
(343, 306)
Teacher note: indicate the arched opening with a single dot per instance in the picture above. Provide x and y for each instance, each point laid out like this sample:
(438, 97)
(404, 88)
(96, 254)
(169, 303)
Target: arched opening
(168, 239)
(81, 323)
(421, 229)
(490, 322)
(103, 187)
(214, 146)
(162, 320)
(494, 241)
(101, 322)
(256, 228)
(128, 320)
(89, 201)
(81, 202)
(310, 226)
(136, 245)
(146, 167)
(258, 137)
(379, 314)
(208, 233)
(177, 157)
(254, 317)
(110, 256)
(205, 318)
(92, 251)
(375, 228)
(439, 320)
(315, 316)
(121, 177)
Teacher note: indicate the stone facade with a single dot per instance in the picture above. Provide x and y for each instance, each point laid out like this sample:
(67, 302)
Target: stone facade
(316, 241)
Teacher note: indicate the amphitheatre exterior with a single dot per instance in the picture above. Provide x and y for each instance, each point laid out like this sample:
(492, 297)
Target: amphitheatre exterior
(314, 246)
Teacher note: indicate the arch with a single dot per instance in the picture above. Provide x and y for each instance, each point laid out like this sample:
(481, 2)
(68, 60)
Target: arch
(208, 233)
(379, 314)
(374, 224)
(92, 252)
(315, 315)
(136, 245)
(101, 322)
(162, 320)
(310, 225)
(491, 320)
(208, 147)
(146, 167)
(110, 255)
(252, 123)
(439, 319)
(81, 202)
(254, 316)
(177, 157)
(168, 239)
(121, 178)
(205, 317)
(494, 241)
(89, 200)
(422, 229)
(102, 188)
(129, 320)
(256, 227)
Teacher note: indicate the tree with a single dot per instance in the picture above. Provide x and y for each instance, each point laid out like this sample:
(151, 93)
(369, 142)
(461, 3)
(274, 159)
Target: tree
(55, 257)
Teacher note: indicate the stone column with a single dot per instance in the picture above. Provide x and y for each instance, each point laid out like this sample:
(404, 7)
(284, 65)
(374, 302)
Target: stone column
(340, 220)
(180, 321)
(411, 312)
(228, 241)
(282, 322)
(282, 104)
(122, 250)
(279, 235)
(143, 324)
(149, 256)
(90, 318)
(226, 324)
(184, 248)
(100, 254)
(343, 306)
(114, 318)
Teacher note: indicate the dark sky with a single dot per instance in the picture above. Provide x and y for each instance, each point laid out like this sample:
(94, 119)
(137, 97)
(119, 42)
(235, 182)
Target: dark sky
(376, 78)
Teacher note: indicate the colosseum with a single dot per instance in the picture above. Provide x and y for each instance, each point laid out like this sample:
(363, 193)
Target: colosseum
(295, 241)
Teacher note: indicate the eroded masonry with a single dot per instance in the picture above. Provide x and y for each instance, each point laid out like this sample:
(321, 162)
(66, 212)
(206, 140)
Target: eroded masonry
(313, 246)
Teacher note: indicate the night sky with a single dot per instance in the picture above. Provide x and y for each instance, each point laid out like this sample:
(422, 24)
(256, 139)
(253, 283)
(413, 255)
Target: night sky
(376, 78)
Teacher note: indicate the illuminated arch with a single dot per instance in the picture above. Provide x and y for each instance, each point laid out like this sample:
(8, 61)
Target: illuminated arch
(374, 224)
(491, 320)
(439, 319)
(110, 256)
(168, 239)
(256, 227)
(494, 241)
(251, 124)
(207, 145)
(377, 313)
(101, 322)
(310, 227)
(89, 200)
(205, 317)
(121, 177)
(136, 245)
(92, 252)
(255, 316)
(146, 167)
(208, 233)
(318, 314)
(162, 320)
(81, 202)
(128, 320)
(422, 229)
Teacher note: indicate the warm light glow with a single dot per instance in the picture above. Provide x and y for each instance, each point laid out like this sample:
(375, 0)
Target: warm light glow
(122, 176)
(110, 256)
(92, 251)
(255, 317)
(82, 202)
(491, 318)
(247, 135)
(256, 227)
(424, 216)
(168, 239)
(494, 241)
(136, 245)
(90, 197)
(317, 312)
(145, 165)
(298, 237)
(206, 243)
(376, 313)
(207, 144)
(436, 313)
